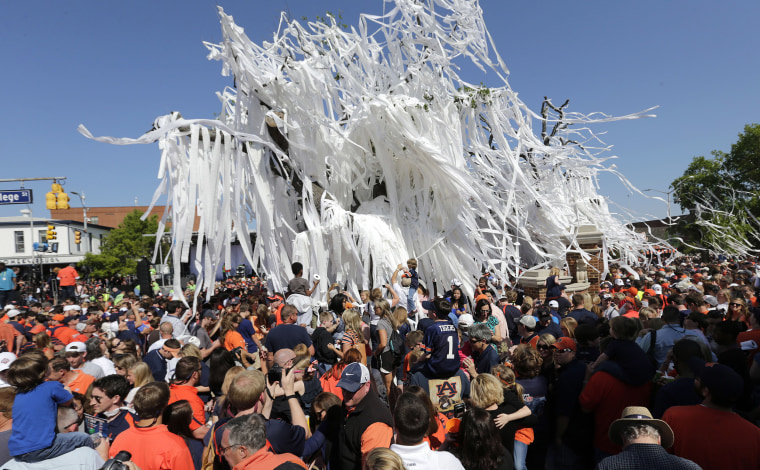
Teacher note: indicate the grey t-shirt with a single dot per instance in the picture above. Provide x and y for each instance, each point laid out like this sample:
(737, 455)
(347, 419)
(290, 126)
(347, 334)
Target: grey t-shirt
(92, 369)
(298, 285)
(203, 336)
(385, 324)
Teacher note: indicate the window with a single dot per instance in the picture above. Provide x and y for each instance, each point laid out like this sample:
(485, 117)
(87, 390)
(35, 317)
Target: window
(42, 236)
(19, 237)
(94, 220)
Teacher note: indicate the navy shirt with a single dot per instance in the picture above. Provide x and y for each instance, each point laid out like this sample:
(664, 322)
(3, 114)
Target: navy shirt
(442, 343)
(582, 315)
(485, 360)
(287, 336)
(245, 328)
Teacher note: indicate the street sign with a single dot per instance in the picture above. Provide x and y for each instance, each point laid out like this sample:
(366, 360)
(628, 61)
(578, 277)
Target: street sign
(16, 196)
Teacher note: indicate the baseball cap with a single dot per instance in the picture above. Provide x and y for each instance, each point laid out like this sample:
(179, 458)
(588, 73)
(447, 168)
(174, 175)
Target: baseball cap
(721, 380)
(553, 304)
(208, 313)
(76, 346)
(529, 321)
(353, 377)
(712, 300)
(657, 289)
(58, 317)
(618, 282)
(429, 305)
(12, 313)
(456, 282)
(274, 298)
(235, 301)
(6, 359)
(466, 320)
(565, 343)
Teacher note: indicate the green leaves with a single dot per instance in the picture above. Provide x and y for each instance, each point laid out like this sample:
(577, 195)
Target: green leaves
(721, 196)
(124, 246)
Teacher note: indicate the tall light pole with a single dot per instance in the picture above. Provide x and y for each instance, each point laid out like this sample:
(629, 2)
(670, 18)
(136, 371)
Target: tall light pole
(28, 212)
(84, 208)
(667, 193)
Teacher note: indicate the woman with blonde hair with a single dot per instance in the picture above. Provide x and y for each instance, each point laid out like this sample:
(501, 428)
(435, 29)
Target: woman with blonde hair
(553, 286)
(354, 335)
(382, 458)
(123, 362)
(386, 359)
(738, 311)
(137, 375)
(44, 344)
(503, 404)
(568, 325)
(544, 348)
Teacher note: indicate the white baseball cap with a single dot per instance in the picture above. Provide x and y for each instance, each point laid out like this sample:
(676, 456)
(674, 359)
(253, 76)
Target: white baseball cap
(76, 346)
(553, 304)
(466, 320)
(6, 359)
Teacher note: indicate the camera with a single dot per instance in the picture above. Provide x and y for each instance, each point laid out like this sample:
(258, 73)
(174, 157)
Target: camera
(460, 409)
(117, 463)
(275, 374)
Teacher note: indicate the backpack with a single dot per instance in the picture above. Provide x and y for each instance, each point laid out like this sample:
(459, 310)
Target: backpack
(396, 344)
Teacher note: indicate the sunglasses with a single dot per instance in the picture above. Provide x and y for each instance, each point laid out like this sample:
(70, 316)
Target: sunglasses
(543, 347)
(562, 350)
(487, 310)
(735, 305)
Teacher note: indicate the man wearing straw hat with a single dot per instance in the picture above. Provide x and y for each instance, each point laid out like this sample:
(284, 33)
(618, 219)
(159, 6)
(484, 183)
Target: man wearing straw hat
(644, 441)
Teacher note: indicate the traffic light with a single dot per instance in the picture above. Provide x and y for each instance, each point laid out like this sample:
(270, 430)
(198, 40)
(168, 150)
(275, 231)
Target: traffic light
(62, 201)
(50, 200)
(56, 198)
(51, 233)
(77, 237)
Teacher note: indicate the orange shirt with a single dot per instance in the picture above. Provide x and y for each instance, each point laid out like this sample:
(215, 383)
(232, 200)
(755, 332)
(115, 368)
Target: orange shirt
(330, 384)
(233, 339)
(68, 276)
(38, 328)
(65, 334)
(167, 450)
(9, 334)
(81, 383)
(189, 393)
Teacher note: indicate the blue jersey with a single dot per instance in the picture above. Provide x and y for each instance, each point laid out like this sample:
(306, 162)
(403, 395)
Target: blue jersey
(442, 344)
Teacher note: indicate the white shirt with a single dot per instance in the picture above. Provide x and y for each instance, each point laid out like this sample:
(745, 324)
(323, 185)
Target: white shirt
(81, 458)
(402, 293)
(105, 364)
(421, 457)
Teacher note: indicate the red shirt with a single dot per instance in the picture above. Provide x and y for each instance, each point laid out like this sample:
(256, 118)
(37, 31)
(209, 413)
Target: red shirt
(607, 396)
(714, 439)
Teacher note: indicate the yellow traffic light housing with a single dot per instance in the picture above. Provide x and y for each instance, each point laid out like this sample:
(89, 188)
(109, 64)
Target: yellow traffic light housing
(51, 233)
(77, 237)
(56, 198)
(50, 200)
(62, 201)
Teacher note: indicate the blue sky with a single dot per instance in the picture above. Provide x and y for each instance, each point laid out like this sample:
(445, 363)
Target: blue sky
(116, 66)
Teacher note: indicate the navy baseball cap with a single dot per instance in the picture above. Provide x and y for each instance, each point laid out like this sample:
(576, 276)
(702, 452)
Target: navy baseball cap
(720, 379)
(353, 377)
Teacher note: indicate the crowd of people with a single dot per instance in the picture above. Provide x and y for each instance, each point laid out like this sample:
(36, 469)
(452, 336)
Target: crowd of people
(654, 368)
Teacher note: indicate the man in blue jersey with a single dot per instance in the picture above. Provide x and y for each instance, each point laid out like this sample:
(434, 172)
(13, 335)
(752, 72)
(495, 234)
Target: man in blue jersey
(441, 342)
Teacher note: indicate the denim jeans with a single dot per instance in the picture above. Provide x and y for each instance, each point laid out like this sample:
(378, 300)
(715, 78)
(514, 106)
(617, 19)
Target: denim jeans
(520, 453)
(63, 444)
(410, 307)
